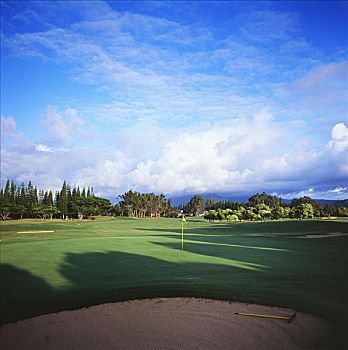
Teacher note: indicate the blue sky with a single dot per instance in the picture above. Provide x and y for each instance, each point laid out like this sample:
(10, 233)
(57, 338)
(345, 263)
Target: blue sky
(176, 97)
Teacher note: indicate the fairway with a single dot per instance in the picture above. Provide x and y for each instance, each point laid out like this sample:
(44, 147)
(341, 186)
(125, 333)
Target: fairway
(120, 259)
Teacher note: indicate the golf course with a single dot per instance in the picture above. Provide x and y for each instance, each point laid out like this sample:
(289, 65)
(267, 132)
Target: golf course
(54, 265)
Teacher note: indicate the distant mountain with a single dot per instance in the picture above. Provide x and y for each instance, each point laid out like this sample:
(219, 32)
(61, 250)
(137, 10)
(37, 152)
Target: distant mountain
(184, 199)
(335, 202)
(179, 200)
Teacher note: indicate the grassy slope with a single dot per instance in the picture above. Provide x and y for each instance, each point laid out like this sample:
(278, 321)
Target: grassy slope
(119, 259)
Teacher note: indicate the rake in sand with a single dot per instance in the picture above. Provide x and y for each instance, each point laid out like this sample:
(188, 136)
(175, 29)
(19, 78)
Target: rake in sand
(289, 319)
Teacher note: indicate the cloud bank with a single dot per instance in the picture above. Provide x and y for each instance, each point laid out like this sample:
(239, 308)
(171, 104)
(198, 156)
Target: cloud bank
(243, 155)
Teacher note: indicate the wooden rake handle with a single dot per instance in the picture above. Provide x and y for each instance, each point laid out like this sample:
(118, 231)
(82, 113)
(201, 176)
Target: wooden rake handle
(289, 319)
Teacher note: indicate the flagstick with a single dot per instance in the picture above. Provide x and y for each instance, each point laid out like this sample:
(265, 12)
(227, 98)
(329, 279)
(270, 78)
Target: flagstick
(182, 235)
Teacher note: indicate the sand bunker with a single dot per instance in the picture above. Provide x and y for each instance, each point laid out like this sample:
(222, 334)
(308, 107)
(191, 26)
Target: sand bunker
(326, 235)
(167, 323)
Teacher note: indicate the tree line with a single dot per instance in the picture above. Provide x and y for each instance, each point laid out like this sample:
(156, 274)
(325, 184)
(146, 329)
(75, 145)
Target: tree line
(141, 205)
(267, 207)
(26, 201)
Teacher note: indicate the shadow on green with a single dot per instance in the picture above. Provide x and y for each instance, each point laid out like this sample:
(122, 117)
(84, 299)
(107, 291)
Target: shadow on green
(112, 276)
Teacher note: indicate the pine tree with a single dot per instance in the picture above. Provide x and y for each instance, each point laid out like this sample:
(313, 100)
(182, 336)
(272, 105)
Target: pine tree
(63, 200)
(69, 201)
(6, 207)
(68, 193)
(18, 195)
(45, 198)
(35, 197)
(22, 200)
(7, 194)
(50, 199)
(41, 197)
(29, 198)
(57, 199)
(13, 193)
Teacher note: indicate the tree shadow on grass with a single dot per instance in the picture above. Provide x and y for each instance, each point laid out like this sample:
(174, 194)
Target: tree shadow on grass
(96, 278)
(23, 294)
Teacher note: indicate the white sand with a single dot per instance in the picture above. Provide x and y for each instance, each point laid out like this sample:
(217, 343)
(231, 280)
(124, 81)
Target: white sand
(166, 323)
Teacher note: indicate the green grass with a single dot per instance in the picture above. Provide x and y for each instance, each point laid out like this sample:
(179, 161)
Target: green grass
(119, 259)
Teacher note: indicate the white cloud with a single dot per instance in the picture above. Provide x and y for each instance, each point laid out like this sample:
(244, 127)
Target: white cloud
(8, 125)
(240, 155)
(267, 27)
(264, 116)
(323, 76)
(339, 138)
(61, 125)
(109, 177)
(10, 135)
(44, 148)
(322, 88)
(145, 79)
(314, 193)
(338, 190)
